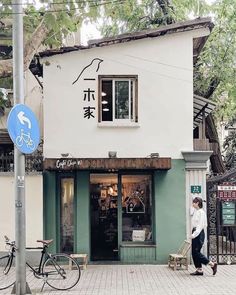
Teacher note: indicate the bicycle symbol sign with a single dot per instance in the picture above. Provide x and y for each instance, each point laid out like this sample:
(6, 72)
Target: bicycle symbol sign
(23, 128)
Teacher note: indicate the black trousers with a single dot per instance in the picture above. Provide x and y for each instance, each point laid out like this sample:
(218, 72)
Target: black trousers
(198, 257)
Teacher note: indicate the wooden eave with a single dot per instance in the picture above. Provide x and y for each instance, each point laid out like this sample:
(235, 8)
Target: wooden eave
(4, 137)
(199, 23)
(108, 164)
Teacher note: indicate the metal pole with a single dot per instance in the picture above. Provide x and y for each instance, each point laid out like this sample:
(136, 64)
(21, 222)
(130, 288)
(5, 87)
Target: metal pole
(19, 158)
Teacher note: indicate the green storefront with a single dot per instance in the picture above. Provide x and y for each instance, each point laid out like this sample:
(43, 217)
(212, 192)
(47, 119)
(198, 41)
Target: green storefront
(123, 214)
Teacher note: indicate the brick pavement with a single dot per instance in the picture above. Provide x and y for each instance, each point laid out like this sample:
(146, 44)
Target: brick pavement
(145, 279)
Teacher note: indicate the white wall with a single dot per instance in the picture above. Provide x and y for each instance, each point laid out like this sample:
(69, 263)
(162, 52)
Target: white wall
(34, 208)
(165, 99)
(33, 97)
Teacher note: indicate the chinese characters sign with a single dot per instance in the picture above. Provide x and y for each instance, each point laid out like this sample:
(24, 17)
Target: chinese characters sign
(89, 98)
(89, 92)
(196, 189)
(227, 192)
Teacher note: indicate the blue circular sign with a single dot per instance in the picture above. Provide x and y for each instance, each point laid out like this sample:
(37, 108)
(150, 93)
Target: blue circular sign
(23, 128)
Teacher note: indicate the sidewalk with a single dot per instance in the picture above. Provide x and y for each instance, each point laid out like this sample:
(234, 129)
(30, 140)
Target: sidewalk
(145, 280)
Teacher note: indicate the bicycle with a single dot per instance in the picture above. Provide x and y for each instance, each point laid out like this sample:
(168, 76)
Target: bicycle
(25, 138)
(59, 271)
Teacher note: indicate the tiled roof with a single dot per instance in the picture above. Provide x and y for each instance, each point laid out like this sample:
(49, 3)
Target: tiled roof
(198, 23)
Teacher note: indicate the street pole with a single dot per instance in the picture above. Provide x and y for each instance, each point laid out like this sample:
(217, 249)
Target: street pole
(20, 287)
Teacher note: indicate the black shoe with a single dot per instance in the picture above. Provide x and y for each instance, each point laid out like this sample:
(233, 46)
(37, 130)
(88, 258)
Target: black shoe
(196, 273)
(214, 268)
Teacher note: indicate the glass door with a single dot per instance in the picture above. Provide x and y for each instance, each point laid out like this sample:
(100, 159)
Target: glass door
(104, 233)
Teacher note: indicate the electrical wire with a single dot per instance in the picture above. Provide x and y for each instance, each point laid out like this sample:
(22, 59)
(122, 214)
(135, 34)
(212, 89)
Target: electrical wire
(52, 3)
(160, 63)
(117, 2)
(148, 70)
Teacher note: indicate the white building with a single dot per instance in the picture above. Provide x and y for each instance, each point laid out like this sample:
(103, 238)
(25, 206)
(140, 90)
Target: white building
(119, 159)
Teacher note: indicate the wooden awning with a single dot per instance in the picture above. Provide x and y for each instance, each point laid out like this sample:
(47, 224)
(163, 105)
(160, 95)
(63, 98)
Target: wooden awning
(108, 164)
(4, 137)
(202, 107)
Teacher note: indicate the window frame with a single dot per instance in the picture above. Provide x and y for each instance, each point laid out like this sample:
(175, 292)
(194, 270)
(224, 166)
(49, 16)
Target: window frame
(114, 78)
(61, 176)
(152, 200)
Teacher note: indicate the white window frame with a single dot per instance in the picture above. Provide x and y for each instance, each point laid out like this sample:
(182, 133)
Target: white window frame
(114, 79)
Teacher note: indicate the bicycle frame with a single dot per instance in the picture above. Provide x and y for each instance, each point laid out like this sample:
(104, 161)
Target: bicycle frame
(44, 254)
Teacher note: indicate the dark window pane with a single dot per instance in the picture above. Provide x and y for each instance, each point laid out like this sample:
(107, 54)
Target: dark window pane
(122, 100)
(106, 101)
(136, 208)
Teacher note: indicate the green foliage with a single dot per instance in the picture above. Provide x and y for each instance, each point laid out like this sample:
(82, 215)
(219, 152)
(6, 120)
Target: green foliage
(4, 101)
(218, 57)
(61, 19)
(6, 82)
(230, 150)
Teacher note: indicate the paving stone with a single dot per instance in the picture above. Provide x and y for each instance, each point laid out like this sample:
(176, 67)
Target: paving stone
(144, 280)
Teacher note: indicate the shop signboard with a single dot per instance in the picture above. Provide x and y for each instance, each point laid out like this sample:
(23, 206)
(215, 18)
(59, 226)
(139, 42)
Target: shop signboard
(227, 192)
(138, 235)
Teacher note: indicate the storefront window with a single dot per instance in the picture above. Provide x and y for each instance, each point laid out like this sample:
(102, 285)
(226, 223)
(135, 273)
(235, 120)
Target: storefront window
(136, 208)
(67, 210)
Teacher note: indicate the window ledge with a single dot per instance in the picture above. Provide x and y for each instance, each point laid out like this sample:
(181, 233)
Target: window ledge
(118, 124)
(135, 244)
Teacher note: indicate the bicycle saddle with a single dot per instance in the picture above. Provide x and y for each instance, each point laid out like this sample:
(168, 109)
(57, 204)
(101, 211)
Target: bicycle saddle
(45, 242)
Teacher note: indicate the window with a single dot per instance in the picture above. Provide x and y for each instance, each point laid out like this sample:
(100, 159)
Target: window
(136, 208)
(67, 215)
(118, 99)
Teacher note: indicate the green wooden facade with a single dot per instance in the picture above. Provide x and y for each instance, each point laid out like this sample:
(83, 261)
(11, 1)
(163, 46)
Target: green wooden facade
(169, 215)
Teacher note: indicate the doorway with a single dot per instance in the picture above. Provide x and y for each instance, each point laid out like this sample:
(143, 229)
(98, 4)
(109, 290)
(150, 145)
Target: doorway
(104, 225)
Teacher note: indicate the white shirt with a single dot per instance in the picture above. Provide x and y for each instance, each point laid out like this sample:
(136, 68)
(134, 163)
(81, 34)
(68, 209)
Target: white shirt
(199, 221)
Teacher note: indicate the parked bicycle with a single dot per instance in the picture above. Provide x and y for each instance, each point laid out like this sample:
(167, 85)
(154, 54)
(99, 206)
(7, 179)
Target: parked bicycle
(59, 271)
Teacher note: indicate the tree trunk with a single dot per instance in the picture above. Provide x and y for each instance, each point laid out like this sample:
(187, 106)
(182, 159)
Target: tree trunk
(166, 8)
(217, 164)
(33, 45)
(30, 48)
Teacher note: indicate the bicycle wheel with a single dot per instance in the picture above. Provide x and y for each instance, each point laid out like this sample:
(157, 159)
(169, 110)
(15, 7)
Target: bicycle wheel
(62, 272)
(7, 272)
(19, 141)
(31, 145)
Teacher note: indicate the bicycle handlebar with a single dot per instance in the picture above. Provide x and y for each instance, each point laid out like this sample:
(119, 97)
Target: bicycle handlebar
(8, 242)
(6, 239)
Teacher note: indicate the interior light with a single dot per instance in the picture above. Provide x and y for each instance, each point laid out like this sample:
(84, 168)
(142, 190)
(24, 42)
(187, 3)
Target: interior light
(104, 93)
(104, 102)
(110, 190)
(105, 110)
